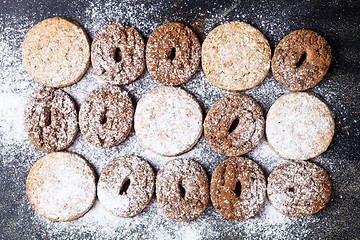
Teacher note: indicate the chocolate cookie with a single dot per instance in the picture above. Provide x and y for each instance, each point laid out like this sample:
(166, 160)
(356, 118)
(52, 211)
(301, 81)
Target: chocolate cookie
(126, 186)
(168, 120)
(301, 59)
(238, 188)
(298, 188)
(234, 125)
(56, 52)
(51, 119)
(172, 54)
(236, 56)
(61, 186)
(299, 126)
(117, 54)
(106, 116)
(182, 189)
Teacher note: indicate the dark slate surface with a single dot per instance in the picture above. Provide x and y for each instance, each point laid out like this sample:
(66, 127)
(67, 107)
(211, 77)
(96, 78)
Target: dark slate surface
(337, 21)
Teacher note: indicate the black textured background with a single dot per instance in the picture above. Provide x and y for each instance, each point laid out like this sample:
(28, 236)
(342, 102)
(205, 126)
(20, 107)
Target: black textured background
(337, 21)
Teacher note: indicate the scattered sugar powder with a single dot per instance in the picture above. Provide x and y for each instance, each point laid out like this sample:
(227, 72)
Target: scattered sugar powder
(19, 154)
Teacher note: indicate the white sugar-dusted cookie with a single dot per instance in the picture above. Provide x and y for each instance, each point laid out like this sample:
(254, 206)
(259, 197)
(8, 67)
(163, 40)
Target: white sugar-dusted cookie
(168, 120)
(299, 126)
(61, 186)
(236, 56)
(56, 52)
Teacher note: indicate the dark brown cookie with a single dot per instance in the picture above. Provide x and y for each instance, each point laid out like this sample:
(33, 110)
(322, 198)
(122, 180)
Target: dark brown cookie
(298, 188)
(117, 54)
(172, 54)
(182, 189)
(234, 125)
(301, 59)
(238, 188)
(126, 186)
(51, 119)
(106, 116)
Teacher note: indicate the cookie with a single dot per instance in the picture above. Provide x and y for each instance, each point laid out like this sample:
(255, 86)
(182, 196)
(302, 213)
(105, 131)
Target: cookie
(51, 119)
(126, 186)
(236, 56)
(106, 116)
(301, 60)
(182, 189)
(238, 188)
(298, 188)
(234, 125)
(168, 120)
(61, 186)
(299, 126)
(117, 54)
(172, 54)
(56, 52)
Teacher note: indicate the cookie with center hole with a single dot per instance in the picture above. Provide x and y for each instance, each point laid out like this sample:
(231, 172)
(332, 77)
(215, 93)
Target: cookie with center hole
(106, 116)
(168, 120)
(299, 126)
(301, 60)
(235, 56)
(234, 125)
(61, 186)
(56, 52)
(298, 188)
(182, 189)
(238, 188)
(117, 54)
(51, 119)
(172, 54)
(126, 186)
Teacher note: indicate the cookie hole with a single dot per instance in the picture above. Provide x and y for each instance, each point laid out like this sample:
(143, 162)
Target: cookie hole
(238, 189)
(125, 187)
(234, 124)
(103, 118)
(291, 189)
(172, 53)
(182, 190)
(301, 60)
(48, 119)
(118, 55)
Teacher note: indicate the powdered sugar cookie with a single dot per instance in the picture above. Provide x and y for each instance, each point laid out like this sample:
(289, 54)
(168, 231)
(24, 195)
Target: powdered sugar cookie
(61, 186)
(298, 188)
(168, 120)
(126, 186)
(299, 126)
(56, 52)
(182, 189)
(236, 56)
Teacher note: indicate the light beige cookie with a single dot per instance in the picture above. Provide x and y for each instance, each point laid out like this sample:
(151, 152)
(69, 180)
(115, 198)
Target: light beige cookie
(61, 186)
(299, 126)
(236, 56)
(56, 52)
(168, 120)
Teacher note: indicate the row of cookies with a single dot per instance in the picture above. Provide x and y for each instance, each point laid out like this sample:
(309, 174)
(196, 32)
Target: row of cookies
(235, 56)
(61, 187)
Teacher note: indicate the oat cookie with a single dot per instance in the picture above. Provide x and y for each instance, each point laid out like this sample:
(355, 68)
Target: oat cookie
(172, 54)
(51, 119)
(234, 125)
(299, 126)
(168, 120)
(238, 188)
(298, 188)
(301, 59)
(182, 189)
(106, 116)
(236, 56)
(61, 186)
(117, 54)
(56, 52)
(126, 186)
